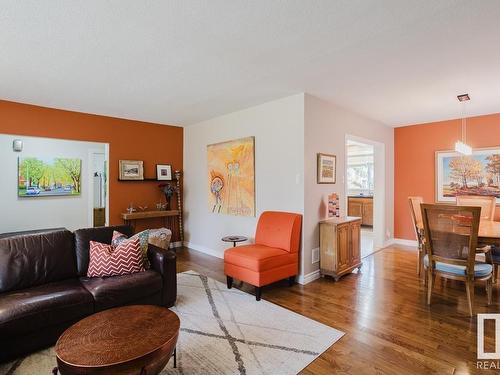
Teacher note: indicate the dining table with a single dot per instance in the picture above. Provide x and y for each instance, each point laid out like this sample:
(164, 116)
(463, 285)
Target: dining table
(488, 234)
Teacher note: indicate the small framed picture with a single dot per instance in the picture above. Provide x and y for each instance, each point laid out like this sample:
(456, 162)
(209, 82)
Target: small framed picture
(163, 172)
(131, 169)
(327, 168)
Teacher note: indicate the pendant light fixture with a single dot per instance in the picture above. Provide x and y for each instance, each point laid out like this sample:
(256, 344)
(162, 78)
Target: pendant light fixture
(461, 146)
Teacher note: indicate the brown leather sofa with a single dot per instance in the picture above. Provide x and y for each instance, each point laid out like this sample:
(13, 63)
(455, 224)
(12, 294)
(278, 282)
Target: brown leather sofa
(44, 288)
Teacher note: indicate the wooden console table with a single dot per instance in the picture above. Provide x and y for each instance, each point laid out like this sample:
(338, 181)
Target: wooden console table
(131, 218)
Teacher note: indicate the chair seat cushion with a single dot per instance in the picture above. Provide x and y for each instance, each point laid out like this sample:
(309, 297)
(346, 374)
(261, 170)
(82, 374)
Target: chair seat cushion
(122, 290)
(258, 257)
(480, 269)
(35, 308)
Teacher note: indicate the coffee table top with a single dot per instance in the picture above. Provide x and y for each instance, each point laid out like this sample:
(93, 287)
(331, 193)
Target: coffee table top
(117, 335)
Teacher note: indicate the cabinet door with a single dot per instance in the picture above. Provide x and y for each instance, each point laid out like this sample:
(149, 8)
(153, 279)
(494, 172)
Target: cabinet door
(355, 208)
(342, 247)
(354, 242)
(368, 213)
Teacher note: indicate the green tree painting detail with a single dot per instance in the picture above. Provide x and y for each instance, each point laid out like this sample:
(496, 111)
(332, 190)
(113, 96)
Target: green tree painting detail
(49, 176)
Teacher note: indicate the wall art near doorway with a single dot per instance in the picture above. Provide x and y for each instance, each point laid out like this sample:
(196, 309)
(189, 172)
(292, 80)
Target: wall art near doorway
(42, 176)
(231, 177)
(327, 165)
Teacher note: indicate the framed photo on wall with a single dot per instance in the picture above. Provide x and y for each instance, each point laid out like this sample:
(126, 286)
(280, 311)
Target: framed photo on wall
(131, 169)
(327, 168)
(163, 172)
(477, 174)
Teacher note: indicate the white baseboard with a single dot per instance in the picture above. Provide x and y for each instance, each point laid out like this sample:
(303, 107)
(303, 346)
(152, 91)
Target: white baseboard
(306, 279)
(203, 249)
(404, 242)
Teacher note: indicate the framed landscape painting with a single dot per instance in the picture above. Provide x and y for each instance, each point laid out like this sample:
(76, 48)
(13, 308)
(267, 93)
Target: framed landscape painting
(477, 174)
(231, 177)
(48, 176)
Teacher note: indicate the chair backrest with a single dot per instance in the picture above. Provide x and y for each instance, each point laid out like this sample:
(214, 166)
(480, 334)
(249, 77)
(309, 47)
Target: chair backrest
(451, 234)
(416, 213)
(279, 229)
(487, 204)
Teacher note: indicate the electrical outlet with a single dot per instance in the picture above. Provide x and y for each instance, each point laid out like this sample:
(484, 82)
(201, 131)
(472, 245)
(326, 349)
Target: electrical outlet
(315, 255)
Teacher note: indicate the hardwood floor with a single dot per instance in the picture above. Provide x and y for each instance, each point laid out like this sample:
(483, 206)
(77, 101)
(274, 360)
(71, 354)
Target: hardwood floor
(389, 328)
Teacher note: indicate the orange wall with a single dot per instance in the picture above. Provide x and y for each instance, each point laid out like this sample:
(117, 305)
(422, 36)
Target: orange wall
(128, 139)
(414, 160)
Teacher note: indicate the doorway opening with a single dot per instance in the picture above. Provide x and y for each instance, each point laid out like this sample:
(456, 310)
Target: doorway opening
(365, 189)
(98, 197)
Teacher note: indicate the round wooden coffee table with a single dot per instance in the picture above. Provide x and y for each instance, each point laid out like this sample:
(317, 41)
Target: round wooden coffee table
(124, 340)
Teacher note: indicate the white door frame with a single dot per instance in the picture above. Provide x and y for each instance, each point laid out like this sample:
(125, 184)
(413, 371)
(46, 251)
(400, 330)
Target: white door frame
(379, 199)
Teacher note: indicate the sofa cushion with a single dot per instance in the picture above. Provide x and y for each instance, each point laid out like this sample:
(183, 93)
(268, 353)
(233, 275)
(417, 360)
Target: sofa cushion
(258, 257)
(35, 259)
(100, 234)
(143, 237)
(105, 260)
(46, 305)
(122, 290)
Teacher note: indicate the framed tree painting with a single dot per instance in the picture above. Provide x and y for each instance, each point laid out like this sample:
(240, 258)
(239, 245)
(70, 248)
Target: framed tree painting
(327, 165)
(477, 174)
(231, 177)
(47, 176)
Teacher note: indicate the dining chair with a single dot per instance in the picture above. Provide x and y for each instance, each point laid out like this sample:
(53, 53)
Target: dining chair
(487, 204)
(416, 216)
(451, 240)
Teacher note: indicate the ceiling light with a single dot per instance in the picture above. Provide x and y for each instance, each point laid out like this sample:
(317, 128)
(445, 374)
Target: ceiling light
(461, 146)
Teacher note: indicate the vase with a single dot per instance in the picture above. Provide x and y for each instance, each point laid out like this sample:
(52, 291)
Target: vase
(168, 202)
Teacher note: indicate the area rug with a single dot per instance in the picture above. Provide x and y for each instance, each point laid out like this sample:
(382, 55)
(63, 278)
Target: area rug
(225, 331)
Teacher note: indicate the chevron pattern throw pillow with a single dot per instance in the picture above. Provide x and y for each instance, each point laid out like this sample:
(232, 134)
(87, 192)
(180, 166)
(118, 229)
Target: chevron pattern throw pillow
(105, 260)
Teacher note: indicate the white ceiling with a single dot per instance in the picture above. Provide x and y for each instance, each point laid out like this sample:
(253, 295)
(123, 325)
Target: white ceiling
(182, 61)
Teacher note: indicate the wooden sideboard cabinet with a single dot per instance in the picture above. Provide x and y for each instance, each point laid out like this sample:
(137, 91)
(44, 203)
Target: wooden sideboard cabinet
(339, 246)
(361, 207)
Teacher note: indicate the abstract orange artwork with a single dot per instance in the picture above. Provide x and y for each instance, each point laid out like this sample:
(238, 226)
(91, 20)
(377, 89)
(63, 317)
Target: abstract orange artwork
(231, 177)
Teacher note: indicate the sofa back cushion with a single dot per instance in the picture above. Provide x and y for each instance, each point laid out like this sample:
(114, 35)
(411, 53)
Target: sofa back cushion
(35, 259)
(99, 234)
(280, 230)
(107, 260)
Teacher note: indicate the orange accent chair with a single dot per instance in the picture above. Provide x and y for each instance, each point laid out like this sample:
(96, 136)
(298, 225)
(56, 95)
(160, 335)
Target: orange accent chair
(273, 257)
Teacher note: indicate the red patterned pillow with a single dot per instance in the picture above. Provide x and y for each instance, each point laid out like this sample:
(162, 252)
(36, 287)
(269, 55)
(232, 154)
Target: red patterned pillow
(105, 260)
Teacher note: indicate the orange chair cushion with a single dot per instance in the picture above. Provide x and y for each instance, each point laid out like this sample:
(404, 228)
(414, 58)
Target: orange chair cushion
(259, 258)
(280, 230)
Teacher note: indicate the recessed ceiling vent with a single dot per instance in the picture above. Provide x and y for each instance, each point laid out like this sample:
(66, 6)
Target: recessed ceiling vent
(463, 97)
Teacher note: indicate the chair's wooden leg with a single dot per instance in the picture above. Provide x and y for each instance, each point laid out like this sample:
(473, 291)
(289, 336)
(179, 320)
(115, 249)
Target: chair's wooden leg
(489, 289)
(258, 292)
(229, 280)
(430, 284)
(469, 287)
(495, 273)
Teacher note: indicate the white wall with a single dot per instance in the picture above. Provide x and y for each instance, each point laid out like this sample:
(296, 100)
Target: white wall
(325, 129)
(29, 213)
(278, 127)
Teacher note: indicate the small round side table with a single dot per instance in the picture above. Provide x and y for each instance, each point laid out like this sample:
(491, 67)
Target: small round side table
(234, 239)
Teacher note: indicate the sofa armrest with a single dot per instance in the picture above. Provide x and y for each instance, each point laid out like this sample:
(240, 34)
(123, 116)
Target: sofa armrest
(164, 262)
